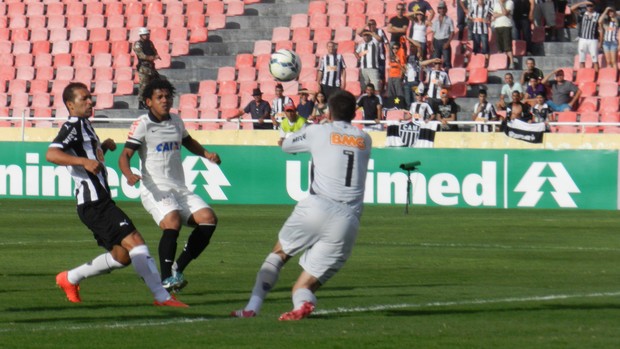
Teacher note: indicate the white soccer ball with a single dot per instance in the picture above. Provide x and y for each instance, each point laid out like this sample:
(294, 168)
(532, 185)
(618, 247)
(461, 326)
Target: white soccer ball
(284, 65)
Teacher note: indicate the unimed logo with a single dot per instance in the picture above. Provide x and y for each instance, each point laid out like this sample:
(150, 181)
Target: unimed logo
(532, 182)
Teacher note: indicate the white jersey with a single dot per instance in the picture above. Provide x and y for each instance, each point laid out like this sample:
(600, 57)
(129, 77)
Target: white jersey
(159, 146)
(340, 154)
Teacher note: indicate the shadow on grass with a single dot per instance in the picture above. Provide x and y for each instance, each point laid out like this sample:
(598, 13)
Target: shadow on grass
(547, 307)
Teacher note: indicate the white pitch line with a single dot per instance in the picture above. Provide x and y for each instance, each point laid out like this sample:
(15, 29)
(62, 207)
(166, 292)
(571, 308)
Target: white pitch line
(374, 308)
(495, 246)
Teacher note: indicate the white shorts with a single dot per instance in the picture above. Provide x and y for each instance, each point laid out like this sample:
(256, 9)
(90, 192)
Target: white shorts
(588, 46)
(326, 230)
(168, 199)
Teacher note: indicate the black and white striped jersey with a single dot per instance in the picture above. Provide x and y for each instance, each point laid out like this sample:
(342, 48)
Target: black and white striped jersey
(371, 58)
(78, 138)
(589, 25)
(332, 67)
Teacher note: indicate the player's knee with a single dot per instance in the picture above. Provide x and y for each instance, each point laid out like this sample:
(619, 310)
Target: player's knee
(204, 216)
(121, 255)
(171, 221)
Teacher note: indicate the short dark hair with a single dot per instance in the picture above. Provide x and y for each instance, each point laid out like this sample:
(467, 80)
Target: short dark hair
(370, 85)
(531, 59)
(158, 84)
(540, 94)
(342, 105)
(68, 94)
(482, 92)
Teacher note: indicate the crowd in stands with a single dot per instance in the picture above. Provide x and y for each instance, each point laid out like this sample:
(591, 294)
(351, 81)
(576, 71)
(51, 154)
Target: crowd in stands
(406, 64)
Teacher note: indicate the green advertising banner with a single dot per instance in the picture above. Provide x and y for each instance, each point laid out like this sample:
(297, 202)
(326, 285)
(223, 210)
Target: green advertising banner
(584, 179)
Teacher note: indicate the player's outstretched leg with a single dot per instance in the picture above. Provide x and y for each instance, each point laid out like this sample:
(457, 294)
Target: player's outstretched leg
(266, 278)
(198, 240)
(70, 280)
(167, 252)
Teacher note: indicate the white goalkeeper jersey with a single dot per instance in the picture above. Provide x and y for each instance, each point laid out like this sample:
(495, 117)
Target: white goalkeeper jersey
(340, 154)
(159, 147)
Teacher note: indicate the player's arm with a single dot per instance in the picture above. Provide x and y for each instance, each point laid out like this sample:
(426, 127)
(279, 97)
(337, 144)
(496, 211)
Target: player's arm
(57, 156)
(297, 142)
(124, 163)
(196, 148)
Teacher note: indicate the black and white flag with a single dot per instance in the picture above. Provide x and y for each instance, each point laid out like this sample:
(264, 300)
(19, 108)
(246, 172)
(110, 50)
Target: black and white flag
(412, 133)
(524, 131)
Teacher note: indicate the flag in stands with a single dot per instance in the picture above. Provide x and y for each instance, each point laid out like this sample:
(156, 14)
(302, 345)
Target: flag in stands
(524, 131)
(412, 133)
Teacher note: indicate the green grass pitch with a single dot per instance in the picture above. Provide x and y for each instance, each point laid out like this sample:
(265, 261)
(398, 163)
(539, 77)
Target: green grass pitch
(436, 278)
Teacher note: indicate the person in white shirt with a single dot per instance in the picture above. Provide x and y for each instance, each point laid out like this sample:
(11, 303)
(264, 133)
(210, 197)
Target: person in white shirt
(420, 109)
(158, 137)
(324, 225)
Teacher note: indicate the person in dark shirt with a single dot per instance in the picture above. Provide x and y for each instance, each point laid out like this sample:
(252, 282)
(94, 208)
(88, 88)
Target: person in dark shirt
(397, 26)
(306, 104)
(258, 109)
(372, 105)
(445, 111)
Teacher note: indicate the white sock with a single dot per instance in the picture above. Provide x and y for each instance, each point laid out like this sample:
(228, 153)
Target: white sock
(301, 296)
(145, 267)
(266, 278)
(102, 264)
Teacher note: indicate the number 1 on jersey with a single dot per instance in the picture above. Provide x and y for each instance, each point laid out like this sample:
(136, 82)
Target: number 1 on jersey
(350, 155)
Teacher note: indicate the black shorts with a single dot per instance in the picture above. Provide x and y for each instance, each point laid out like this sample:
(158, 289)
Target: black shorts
(109, 224)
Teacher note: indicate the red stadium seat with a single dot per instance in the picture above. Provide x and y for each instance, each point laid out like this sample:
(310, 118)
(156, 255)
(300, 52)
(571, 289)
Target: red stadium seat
(195, 7)
(133, 9)
(153, 8)
(589, 117)
(22, 47)
(246, 74)
(133, 21)
(608, 74)
(44, 72)
(216, 21)
(196, 20)
(565, 117)
(84, 75)
(120, 73)
(17, 86)
(299, 20)
(95, 21)
(478, 76)
(337, 21)
(73, 9)
(376, 7)
(585, 75)
(317, 7)
(588, 89)
(262, 47)
(609, 104)
(98, 34)
(20, 99)
(610, 117)
(123, 87)
(41, 100)
(457, 75)
(175, 21)
(188, 100)
(336, 8)
(226, 74)
(229, 101)
(78, 34)
(588, 104)
(227, 87)
(122, 60)
(497, 61)
(115, 21)
(38, 34)
(281, 34)
(80, 47)
(61, 47)
(244, 60)
(322, 35)
(179, 48)
(104, 101)
(318, 20)
(103, 73)
(155, 20)
(478, 61)
(18, 22)
(64, 73)
(198, 35)
(55, 8)
(235, 8)
(174, 8)
(120, 47)
(39, 86)
(356, 21)
(568, 74)
(23, 60)
(102, 60)
(608, 89)
(94, 8)
(215, 8)
(207, 87)
(208, 101)
(356, 7)
(343, 34)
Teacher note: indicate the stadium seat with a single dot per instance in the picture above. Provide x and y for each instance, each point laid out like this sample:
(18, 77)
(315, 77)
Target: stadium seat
(133, 9)
(565, 117)
(54, 8)
(61, 47)
(39, 86)
(45, 73)
(588, 104)
(458, 89)
(179, 47)
(115, 21)
(78, 34)
(376, 7)
(589, 117)
(343, 34)
(155, 20)
(175, 21)
(133, 21)
(173, 8)
(337, 21)
(235, 8)
(336, 8)
(355, 7)
(588, 89)
(246, 74)
(322, 35)
(207, 87)
(216, 21)
(196, 20)
(17, 86)
(41, 100)
(609, 104)
(299, 20)
(94, 7)
(215, 8)
(120, 73)
(23, 60)
(317, 7)
(36, 34)
(102, 60)
(208, 101)
(19, 99)
(104, 101)
(519, 48)
(188, 100)
(353, 87)
(119, 47)
(478, 76)
(25, 72)
(244, 60)
(72, 22)
(262, 47)
(608, 74)
(153, 8)
(18, 21)
(227, 87)
(457, 75)
(94, 21)
(80, 47)
(478, 61)
(303, 48)
(84, 75)
(610, 117)
(197, 7)
(198, 35)
(608, 89)
(288, 45)
(280, 34)
(585, 75)
(229, 101)
(103, 73)
(318, 20)
(64, 73)
(73, 8)
(226, 74)
(21, 47)
(20, 34)
(123, 87)
(122, 60)
(497, 61)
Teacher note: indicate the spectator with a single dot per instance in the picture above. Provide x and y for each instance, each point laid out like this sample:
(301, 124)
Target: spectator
(517, 110)
(367, 53)
(413, 74)
(258, 109)
(421, 6)
(445, 111)
(561, 91)
(332, 71)
(462, 12)
(544, 15)
(533, 88)
(292, 123)
(420, 109)
(437, 81)
(443, 29)
(277, 106)
(484, 111)
(147, 54)
(541, 112)
(418, 34)
(608, 26)
(306, 104)
(372, 106)
(502, 22)
(397, 26)
(507, 89)
(523, 17)
(379, 38)
(480, 18)
(395, 71)
(588, 33)
(530, 71)
(320, 113)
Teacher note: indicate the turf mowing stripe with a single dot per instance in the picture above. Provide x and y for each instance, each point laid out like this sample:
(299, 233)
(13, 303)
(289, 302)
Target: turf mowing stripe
(491, 246)
(374, 308)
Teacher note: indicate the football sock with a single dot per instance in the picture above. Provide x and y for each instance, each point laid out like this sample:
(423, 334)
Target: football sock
(196, 243)
(167, 252)
(301, 296)
(266, 278)
(145, 266)
(102, 264)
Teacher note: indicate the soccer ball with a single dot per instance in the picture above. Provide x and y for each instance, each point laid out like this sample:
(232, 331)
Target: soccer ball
(284, 65)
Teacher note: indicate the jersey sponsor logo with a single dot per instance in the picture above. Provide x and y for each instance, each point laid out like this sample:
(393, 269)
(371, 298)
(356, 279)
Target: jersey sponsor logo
(133, 128)
(348, 140)
(72, 136)
(167, 146)
(299, 138)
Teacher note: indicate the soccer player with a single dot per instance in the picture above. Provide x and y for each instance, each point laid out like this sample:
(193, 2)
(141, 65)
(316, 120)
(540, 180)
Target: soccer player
(324, 225)
(78, 147)
(158, 137)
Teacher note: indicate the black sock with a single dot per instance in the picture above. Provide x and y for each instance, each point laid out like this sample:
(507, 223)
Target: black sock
(167, 251)
(196, 243)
